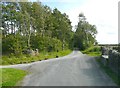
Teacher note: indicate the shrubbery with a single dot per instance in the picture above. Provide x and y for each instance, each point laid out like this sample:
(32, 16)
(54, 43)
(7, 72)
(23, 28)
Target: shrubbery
(6, 60)
(93, 51)
(13, 44)
(45, 43)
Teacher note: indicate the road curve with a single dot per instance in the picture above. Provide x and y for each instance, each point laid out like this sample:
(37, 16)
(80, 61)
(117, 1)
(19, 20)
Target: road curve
(75, 69)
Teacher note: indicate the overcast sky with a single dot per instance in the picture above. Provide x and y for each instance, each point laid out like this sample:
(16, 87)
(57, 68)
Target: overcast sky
(102, 13)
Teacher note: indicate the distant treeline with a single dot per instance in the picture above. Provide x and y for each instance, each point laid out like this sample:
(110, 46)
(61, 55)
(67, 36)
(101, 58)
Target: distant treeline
(31, 25)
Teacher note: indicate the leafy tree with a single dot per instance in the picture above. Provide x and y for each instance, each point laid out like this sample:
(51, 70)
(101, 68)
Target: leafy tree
(85, 33)
(33, 25)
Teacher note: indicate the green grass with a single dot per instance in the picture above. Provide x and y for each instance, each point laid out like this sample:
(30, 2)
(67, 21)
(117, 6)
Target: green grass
(11, 76)
(0, 78)
(7, 60)
(109, 72)
(93, 51)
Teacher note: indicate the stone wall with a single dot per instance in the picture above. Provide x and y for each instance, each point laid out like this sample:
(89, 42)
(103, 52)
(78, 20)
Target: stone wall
(114, 61)
(111, 58)
(31, 52)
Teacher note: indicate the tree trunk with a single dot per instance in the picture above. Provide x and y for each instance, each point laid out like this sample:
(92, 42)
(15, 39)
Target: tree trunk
(29, 36)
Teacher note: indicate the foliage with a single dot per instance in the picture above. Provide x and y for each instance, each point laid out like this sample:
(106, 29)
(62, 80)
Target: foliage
(46, 43)
(13, 44)
(93, 51)
(11, 76)
(85, 34)
(11, 59)
(33, 25)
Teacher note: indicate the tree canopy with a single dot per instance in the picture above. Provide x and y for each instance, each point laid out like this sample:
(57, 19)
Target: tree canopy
(85, 34)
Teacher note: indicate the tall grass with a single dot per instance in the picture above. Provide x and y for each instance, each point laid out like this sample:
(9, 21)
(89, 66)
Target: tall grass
(7, 60)
(93, 51)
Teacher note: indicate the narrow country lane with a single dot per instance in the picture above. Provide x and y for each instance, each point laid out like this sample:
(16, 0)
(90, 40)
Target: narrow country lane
(75, 69)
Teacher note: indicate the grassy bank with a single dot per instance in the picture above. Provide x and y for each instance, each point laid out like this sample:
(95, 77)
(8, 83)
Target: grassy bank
(10, 76)
(7, 60)
(109, 72)
(93, 51)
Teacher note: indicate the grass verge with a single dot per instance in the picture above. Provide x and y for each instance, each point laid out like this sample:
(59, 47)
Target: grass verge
(8, 60)
(11, 76)
(93, 51)
(109, 72)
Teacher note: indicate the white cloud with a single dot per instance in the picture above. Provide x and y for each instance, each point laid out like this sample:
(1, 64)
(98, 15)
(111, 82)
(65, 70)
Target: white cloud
(102, 13)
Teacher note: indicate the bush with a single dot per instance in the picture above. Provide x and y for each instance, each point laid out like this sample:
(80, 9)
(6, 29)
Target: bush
(13, 44)
(46, 43)
(6, 60)
(93, 51)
